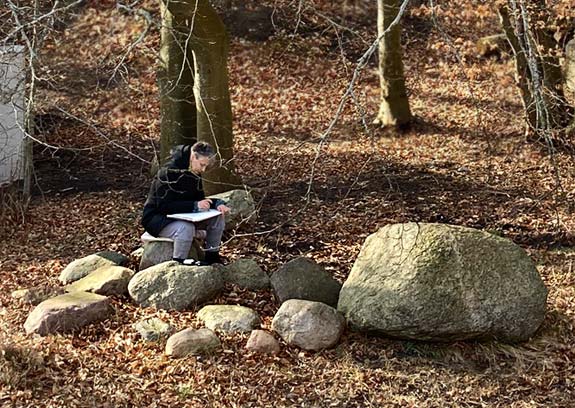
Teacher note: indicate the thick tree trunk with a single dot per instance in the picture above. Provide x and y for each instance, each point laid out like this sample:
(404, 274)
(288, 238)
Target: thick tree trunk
(210, 44)
(176, 80)
(200, 56)
(394, 109)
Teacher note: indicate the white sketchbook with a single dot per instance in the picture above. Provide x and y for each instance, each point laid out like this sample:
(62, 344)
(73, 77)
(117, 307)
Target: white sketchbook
(195, 216)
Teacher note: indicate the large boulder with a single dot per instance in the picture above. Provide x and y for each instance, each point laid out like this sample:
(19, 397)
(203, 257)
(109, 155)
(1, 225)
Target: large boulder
(67, 312)
(107, 281)
(229, 318)
(302, 278)
(81, 267)
(173, 286)
(246, 273)
(242, 208)
(309, 325)
(443, 283)
(190, 341)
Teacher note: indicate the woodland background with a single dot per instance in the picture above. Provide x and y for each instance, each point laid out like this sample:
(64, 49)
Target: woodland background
(464, 161)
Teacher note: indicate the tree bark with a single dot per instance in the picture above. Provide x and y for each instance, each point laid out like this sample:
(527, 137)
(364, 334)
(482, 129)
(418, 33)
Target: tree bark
(198, 69)
(527, 25)
(210, 44)
(176, 79)
(394, 108)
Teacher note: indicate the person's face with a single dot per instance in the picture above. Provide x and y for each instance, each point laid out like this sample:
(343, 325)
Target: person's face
(199, 164)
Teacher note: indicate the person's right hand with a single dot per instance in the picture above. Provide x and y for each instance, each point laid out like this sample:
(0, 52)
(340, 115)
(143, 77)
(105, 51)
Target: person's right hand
(204, 205)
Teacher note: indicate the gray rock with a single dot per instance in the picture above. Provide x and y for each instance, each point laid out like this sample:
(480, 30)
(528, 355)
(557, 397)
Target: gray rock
(190, 341)
(67, 312)
(161, 250)
(153, 329)
(229, 318)
(37, 294)
(263, 342)
(441, 282)
(247, 274)
(309, 325)
(83, 266)
(243, 210)
(107, 281)
(302, 278)
(172, 286)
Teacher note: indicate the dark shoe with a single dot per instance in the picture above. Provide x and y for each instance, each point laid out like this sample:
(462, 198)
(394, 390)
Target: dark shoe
(212, 257)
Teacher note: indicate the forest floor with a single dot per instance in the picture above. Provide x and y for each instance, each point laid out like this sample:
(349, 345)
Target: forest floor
(465, 161)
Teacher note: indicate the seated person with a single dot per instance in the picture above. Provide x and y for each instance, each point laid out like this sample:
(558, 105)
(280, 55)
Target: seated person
(177, 188)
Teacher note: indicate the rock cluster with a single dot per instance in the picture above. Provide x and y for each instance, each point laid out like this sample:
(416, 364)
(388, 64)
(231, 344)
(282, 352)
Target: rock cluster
(413, 281)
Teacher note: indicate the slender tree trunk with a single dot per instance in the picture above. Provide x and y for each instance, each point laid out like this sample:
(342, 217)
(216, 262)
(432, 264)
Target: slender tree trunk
(176, 80)
(522, 74)
(527, 25)
(394, 109)
(210, 45)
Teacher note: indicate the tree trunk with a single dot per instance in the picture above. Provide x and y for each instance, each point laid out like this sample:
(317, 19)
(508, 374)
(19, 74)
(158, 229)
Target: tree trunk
(538, 71)
(570, 69)
(199, 70)
(210, 44)
(176, 79)
(394, 109)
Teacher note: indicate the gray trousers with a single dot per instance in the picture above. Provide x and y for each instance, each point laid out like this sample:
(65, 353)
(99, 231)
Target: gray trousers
(183, 232)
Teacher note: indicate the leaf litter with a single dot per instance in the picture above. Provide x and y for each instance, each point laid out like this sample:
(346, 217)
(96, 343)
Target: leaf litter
(465, 161)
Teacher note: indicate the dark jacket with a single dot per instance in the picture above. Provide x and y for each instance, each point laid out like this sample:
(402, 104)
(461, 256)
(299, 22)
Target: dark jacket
(174, 189)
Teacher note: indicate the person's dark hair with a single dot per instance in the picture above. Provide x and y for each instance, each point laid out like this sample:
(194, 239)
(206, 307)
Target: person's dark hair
(203, 149)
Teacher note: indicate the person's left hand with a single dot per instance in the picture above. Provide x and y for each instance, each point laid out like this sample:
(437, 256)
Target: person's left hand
(224, 209)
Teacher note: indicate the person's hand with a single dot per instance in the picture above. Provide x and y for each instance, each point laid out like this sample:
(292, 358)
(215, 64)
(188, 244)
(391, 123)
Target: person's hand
(224, 209)
(204, 205)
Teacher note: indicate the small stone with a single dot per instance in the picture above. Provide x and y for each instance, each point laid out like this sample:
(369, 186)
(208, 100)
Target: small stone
(246, 273)
(229, 318)
(67, 312)
(493, 45)
(191, 341)
(309, 325)
(302, 278)
(152, 329)
(263, 342)
(107, 281)
(161, 250)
